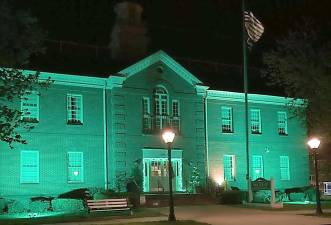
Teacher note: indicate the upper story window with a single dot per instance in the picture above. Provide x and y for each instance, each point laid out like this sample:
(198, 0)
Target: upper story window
(147, 119)
(30, 107)
(175, 120)
(327, 188)
(256, 121)
(74, 109)
(29, 167)
(229, 167)
(227, 122)
(161, 101)
(161, 116)
(257, 166)
(282, 123)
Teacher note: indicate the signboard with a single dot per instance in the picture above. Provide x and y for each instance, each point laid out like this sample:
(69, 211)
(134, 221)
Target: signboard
(260, 184)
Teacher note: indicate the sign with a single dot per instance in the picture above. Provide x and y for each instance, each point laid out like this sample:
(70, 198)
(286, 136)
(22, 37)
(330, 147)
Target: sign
(260, 184)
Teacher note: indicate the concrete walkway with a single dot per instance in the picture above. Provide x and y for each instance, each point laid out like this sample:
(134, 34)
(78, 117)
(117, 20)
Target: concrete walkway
(227, 215)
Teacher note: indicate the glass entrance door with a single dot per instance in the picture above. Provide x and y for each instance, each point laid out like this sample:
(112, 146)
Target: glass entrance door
(159, 176)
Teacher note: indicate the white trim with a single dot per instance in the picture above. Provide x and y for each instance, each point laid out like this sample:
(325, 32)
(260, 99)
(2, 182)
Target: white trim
(287, 167)
(233, 170)
(81, 119)
(252, 98)
(258, 111)
(160, 56)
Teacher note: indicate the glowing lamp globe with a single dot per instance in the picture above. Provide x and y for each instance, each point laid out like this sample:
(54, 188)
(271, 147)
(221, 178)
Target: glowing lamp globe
(76, 173)
(168, 136)
(314, 143)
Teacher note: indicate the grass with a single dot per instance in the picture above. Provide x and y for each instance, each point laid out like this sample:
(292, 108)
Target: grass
(83, 216)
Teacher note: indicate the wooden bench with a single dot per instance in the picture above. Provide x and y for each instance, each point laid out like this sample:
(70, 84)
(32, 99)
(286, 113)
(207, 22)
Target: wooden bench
(118, 204)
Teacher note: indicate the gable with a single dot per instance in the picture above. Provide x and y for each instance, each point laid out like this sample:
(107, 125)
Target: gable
(160, 56)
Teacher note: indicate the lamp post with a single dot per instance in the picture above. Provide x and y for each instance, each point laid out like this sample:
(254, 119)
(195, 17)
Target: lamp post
(168, 137)
(314, 144)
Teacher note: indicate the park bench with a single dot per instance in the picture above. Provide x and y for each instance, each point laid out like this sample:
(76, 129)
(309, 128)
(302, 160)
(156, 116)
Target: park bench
(118, 204)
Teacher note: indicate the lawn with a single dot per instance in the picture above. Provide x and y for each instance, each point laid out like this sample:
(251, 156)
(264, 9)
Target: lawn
(82, 216)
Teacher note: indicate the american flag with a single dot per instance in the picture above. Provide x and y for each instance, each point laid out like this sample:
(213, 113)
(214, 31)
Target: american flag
(254, 28)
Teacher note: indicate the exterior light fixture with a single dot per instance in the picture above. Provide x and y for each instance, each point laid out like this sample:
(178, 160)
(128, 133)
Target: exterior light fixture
(314, 143)
(76, 173)
(168, 137)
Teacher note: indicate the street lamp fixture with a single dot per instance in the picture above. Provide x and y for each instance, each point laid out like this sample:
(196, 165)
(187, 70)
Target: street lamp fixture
(168, 137)
(314, 143)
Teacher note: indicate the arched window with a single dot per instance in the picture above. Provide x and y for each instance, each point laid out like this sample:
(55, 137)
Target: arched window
(161, 110)
(161, 101)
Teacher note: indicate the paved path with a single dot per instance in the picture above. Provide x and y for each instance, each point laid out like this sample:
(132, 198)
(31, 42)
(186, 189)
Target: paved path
(227, 215)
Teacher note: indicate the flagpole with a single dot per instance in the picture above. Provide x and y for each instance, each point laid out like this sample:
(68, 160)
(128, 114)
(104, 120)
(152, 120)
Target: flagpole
(244, 70)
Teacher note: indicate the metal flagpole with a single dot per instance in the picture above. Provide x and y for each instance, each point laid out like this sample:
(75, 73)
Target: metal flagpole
(244, 70)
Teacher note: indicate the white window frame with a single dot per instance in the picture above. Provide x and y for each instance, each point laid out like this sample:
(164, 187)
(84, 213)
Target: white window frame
(178, 108)
(161, 98)
(69, 111)
(282, 122)
(284, 165)
(30, 113)
(257, 171)
(73, 169)
(327, 188)
(27, 167)
(226, 121)
(256, 121)
(146, 111)
(230, 169)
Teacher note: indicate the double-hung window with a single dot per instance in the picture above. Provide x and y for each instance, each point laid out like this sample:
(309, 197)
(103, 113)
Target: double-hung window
(284, 168)
(75, 167)
(147, 120)
(30, 107)
(74, 109)
(29, 167)
(282, 123)
(256, 121)
(227, 122)
(229, 167)
(257, 166)
(175, 115)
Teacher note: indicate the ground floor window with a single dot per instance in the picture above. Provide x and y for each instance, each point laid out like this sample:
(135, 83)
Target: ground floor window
(284, 168)
(229, 168)
(257, 167)
(75, 167)
(29, 167)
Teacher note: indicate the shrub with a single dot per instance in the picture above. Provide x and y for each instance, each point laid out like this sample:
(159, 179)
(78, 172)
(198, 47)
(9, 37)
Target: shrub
(81, 193)
(298, 197)
(68, 205)
(262, 196)
(231, 197)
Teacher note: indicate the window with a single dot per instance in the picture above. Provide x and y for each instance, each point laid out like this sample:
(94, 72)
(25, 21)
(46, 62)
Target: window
(75, 167)
(161, 108)
(147, 120)
(29, 167)
(30, 107)
(75, 109)
(327, 188)
(227, 126)
(175, 116)
(229, 167)
(282, 123)
(256, 121)
(284, 168)
(257, 166)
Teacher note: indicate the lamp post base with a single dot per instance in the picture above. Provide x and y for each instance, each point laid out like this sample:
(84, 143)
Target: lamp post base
(171, 218)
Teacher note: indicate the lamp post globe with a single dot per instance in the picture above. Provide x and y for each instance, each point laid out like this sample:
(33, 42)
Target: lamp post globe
(168, 137)
(314, 143)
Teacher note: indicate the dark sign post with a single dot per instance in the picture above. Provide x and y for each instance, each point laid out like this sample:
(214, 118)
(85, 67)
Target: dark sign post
(261, 184)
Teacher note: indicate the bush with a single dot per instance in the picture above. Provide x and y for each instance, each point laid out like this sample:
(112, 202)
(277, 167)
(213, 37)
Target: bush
(68, 205)
(82, 193)
(18, 206)
(298, 197)
(231, 197)
(262, 196)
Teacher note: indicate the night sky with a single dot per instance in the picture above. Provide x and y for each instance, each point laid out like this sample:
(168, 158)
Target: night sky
(204, 36)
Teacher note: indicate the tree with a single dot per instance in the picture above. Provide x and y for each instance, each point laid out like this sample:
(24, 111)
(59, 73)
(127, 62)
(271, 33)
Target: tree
(19, 40)
(301, 65)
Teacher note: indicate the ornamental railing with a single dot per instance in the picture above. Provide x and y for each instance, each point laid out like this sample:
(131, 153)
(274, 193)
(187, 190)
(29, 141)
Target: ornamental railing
(155, 124)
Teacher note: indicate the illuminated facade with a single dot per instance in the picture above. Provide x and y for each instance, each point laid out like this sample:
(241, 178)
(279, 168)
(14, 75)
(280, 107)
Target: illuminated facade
(89, 132)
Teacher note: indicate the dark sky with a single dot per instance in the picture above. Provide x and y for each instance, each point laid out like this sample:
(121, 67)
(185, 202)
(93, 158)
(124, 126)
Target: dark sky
(203, 35)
